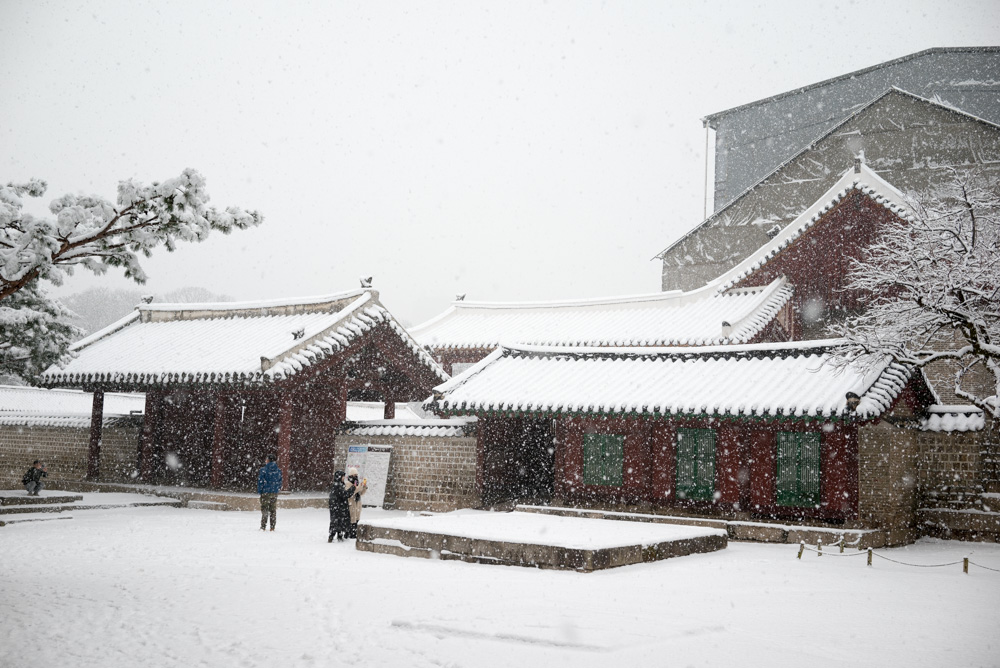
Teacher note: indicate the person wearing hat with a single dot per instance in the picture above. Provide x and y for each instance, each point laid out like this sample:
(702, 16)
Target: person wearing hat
(354, 501)
(340, 515)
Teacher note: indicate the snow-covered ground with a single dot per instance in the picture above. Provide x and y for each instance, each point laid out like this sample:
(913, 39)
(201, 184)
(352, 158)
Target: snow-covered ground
(179, 587)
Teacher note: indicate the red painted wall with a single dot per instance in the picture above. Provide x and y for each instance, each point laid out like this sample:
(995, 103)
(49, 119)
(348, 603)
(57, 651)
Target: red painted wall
(818, 261)
(745, 466)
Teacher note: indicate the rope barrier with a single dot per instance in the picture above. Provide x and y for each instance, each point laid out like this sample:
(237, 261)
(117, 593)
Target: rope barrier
(995, 570)
(966, 562)
(837, 554)
(903, 563)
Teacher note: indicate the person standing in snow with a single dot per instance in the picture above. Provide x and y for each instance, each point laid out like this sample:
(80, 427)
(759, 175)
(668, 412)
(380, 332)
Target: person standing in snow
(340, 514)
(354, 501)
(268, 486)
(32, 480)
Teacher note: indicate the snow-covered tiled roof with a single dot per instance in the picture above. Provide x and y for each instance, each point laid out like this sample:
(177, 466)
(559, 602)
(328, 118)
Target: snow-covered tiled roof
(760, 380)
(953, 418)
(861, 178)
(243, 343)
(33, 406)
(374, 410)
(424, 427)
(665, 318)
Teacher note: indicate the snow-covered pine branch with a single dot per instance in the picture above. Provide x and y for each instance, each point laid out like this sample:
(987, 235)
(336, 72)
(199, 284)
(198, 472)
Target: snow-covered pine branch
(94, 233)
(934, 287)
(35, 332)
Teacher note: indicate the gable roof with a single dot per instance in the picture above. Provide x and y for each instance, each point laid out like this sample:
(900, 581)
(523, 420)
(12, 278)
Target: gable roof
(243, 343)
(860, 178)
(715, 216)
(711, 119)
(772, 381)
(665, 318)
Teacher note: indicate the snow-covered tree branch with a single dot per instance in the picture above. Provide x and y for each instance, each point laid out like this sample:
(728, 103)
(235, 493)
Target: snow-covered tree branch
(935, 291)
(35, 332)
(94, 233)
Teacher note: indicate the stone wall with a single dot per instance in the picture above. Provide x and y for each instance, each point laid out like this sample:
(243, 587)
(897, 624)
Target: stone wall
(425, 473)
(64, 451)
(887, 467)
(949, 469)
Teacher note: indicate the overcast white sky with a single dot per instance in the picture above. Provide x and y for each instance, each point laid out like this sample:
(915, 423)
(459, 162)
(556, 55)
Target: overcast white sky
(511, 151)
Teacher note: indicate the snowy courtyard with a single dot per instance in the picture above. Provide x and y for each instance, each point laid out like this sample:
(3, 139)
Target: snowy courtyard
(182, 587)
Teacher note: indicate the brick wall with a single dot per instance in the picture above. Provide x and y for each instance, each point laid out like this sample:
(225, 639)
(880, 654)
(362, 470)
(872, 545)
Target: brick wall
(64, 451)
(425, 473)
(887, 467)
(949, 468)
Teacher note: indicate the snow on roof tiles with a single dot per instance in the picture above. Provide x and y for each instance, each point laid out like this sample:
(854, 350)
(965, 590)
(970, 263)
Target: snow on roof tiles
(953, 418)
(670, 318)
(762, 380)
(245, 343)
(33, 406)
(435, 428)
(862, 179)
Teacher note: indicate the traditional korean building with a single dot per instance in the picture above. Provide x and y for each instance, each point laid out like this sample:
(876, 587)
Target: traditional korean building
(468, 331)
(716, 427)
(766, 431)
(227, 384)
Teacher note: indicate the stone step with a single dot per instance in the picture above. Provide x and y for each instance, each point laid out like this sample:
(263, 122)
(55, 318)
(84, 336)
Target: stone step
(207, 505)
(8, 498)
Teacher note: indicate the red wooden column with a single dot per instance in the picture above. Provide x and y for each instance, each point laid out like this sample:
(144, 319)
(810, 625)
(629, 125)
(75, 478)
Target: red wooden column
(96, 426)
(147, 444)
(285, 438)
(219, 440)
(389, 411)
(727, 463)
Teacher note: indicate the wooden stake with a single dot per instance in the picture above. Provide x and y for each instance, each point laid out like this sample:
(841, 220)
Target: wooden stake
(842, 544)
(802, 547)
(819, 548)
(869, 556)
(965, 565)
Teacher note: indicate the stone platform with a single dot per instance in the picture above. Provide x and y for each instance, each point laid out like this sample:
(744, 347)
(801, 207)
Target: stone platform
(17, 506)
(541, 541)
(739, 530)
(203, 499)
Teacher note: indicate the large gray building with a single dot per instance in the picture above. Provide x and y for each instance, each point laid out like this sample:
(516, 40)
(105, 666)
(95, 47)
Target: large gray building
(775, 157)
(753, 139)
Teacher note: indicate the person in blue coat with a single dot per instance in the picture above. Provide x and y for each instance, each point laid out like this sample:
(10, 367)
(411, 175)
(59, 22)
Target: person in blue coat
(268, 486)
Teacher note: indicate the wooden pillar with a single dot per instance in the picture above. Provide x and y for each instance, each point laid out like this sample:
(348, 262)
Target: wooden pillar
(663, 462)
(219, 441)
(389, 411)
(727, 463)
(285, 438)
(96, 426)
(147, 444)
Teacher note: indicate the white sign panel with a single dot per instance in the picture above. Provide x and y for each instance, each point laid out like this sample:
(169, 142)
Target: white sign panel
(372, 462)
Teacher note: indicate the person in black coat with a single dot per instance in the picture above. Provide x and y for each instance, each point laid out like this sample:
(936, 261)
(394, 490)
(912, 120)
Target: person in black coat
(340, 514)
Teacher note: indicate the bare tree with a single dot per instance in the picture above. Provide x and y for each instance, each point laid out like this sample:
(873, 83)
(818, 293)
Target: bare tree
(934, 283)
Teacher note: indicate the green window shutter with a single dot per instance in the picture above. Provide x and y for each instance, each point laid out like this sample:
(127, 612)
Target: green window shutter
(592, 461)
(809, 484)
(614, 460)
(603, 459)
(798, 481)
(695, 464)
